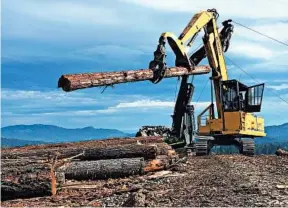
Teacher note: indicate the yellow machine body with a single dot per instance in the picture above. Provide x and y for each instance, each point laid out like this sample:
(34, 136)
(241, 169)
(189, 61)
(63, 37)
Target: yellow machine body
(234, 123)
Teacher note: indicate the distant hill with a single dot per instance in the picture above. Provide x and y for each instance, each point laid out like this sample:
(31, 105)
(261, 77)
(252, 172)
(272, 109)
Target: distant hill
(50, 133)
(39, 133)
(275, 134)
(5, 142)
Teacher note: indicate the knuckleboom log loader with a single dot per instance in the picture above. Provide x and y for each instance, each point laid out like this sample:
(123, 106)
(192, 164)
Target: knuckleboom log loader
(233, 122)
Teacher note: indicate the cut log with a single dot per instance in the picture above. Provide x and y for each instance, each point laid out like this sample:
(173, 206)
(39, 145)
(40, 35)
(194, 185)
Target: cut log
(126, 151)
(114, 168)
(280, 152)
(16, 169)
(24, 181)
(32, 188)
(71, 149)
(24, 178)
(70, 82)
(103, 169)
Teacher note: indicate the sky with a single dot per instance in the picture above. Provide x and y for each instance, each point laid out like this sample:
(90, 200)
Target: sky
(41, 40)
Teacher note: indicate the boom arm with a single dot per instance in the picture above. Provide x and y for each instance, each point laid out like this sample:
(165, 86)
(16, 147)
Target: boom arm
(212, 47)
(186, 89)
(179, 45)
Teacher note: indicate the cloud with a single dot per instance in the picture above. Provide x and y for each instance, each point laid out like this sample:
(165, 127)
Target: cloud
(244, 8)
(275, 65)
(276, 29)
(113, 51)
(273, 109)
(76, 12)
(146, 104)
(42, 98)
(110, 111)
(52, 103)
(251, 50)
(279, 87)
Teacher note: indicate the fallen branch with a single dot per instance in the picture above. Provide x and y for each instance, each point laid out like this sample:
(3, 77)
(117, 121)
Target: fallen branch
(70, 82)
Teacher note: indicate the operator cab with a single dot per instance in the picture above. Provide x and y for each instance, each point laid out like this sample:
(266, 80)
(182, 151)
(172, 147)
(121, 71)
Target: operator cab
(237, 96)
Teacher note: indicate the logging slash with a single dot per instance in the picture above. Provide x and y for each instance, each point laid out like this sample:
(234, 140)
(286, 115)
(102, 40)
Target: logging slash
(35, 171)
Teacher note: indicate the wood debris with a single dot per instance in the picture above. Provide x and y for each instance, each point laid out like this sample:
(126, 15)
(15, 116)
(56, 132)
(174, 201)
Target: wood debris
(50, 166)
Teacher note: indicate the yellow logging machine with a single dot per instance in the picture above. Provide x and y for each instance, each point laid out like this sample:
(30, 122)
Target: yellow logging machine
(235, 122)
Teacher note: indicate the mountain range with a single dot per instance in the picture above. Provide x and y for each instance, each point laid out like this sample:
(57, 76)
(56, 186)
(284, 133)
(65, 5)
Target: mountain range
(275, 134)
(20, 135)
(39, 133)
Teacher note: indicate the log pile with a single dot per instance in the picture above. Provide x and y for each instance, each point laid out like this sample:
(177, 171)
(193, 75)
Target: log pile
(69, 149)
(70, 82)
(34, 171)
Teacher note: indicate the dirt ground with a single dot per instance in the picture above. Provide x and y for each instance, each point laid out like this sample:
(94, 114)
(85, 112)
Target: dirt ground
(217, 180)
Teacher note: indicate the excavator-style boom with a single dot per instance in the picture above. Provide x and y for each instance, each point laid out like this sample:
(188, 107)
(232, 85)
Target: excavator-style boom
(235, 102)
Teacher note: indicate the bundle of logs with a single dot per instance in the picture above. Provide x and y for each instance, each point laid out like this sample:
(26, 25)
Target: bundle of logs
(35, 171)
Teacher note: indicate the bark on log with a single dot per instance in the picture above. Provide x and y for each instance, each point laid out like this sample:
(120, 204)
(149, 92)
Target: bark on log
(123, 151)
(29, 179)
(32, 188)
(126, 151)
(20, 169)
(280, 152)
(103, 169)
(113, 168)
(70, 82)
(38, 150)
(42, 151)
(91, 153)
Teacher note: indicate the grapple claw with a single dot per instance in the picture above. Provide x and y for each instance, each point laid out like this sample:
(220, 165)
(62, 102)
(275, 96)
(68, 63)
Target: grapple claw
(158, 65)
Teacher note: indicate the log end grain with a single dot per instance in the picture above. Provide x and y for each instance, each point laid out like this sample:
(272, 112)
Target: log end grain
(64, 83)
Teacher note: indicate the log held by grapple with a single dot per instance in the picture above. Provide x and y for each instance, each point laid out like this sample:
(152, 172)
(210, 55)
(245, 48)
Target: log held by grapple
(70, 82)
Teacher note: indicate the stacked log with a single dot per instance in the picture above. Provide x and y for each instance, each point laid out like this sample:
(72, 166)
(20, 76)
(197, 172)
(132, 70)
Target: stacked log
(70, 82)
(38, 170)
(24, 178)
(103, 169)
(69, 149)
(31, 188)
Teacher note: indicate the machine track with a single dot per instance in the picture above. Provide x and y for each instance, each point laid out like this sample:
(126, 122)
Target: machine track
(248, 147)
(202, 147)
